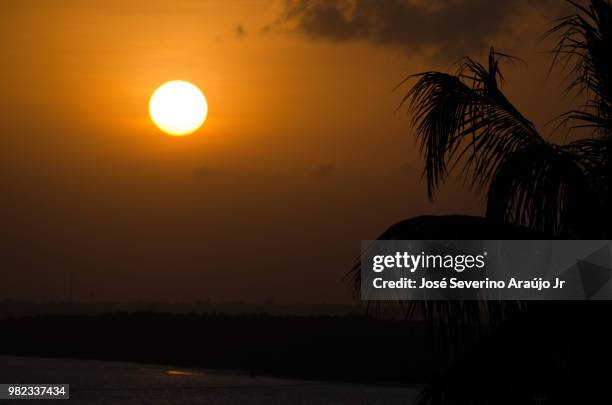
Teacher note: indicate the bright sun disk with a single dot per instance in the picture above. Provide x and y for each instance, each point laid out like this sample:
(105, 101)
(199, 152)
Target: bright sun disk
(178, 108)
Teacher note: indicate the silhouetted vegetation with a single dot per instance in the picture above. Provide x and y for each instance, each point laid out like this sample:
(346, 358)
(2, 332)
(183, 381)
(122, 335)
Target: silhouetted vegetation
(346, 348)
(549, 353)
(465, 119)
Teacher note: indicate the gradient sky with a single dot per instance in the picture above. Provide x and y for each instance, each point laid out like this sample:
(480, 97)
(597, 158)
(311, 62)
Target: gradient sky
(303, 153)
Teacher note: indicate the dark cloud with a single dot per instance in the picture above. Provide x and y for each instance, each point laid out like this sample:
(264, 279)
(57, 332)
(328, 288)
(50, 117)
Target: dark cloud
(324, 171)
(240, 31)
(457, 27)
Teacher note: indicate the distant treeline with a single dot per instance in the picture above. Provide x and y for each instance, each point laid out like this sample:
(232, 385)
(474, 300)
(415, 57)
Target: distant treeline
(343, 348)
(17, 308)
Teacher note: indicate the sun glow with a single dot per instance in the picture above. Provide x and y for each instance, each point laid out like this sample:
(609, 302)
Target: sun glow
(178, 108)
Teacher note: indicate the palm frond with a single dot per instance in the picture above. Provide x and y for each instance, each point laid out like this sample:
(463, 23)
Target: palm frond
(452, 314)
(466, 118)
(584, 45)
(546, 187)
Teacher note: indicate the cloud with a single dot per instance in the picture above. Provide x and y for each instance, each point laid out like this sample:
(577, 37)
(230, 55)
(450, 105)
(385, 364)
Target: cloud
(455, 27)
(240, 31)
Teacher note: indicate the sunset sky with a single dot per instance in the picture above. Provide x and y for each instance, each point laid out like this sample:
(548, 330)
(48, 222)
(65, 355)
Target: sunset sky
(303, 154)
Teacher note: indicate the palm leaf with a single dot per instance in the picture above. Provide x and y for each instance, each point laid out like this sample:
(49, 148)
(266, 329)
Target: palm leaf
(584, 44)
(466, 118)
(546, 187)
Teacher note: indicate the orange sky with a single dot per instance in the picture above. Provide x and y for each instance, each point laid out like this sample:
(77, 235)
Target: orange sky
(303, 153)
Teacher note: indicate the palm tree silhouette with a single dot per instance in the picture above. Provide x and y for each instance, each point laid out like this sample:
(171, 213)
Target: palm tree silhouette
(465, 119)
(534, 189)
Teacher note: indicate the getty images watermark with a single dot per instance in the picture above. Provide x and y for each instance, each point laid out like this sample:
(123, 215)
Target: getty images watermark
(486, 270)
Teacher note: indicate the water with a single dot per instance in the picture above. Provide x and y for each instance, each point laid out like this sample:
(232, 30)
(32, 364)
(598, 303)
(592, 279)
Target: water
(101, 382)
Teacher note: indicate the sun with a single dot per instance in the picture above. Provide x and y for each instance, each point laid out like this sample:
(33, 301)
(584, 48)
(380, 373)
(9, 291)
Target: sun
(178, 108)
